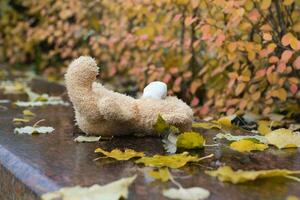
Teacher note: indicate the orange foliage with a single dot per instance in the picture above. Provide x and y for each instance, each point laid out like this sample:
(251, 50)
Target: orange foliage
(219, 55)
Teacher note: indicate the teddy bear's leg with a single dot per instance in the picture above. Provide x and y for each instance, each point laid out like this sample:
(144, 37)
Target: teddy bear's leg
(113, 111)
(180, 120)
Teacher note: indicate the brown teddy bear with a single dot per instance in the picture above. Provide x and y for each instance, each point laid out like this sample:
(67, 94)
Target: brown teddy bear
(99, 111)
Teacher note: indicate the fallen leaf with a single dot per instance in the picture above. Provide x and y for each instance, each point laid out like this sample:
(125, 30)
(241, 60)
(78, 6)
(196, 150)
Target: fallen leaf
(292, 197)
(190, 140)
(120, 155)
(112, 191)
(31, 130)
(294, 127)
(172, 161)
(206, 125)
(264, 127)
(169, 143)
(247, 146)
(20, 120)
(10, 87)
(231, 137)
(4, 100)
(82, 138)
(226, 174)
(193, 193)
(28, 113)
(161, 174)
(51, 101)
(283, 138)
(161, 125)
(226, 121)
(40, 100)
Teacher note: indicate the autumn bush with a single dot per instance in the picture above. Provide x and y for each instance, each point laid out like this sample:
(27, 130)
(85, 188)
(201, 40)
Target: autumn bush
(220, 56)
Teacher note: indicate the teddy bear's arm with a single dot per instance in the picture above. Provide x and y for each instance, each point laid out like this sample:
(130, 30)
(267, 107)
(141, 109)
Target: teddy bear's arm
(113, 111)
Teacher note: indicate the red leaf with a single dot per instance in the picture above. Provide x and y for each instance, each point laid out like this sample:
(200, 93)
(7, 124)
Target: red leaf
(286, 55)
(293, 88)
(260, 73)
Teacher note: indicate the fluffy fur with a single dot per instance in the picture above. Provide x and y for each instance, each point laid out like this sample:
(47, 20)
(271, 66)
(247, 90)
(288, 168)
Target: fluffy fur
(99, 111)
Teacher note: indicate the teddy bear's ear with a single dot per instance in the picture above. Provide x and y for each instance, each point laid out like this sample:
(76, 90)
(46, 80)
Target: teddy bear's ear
(82, 71)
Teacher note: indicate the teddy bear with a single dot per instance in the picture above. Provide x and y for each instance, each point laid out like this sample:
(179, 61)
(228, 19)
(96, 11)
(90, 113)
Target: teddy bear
(100, 111)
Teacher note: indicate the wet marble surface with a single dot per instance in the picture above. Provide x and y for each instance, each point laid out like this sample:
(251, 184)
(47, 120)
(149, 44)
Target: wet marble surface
(33, 165)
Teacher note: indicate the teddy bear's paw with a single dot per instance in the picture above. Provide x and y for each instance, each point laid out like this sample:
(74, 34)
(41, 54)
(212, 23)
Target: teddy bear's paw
(113, 111)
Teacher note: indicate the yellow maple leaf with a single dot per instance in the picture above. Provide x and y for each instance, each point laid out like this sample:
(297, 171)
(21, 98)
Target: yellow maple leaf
(190, 140)
(247, 146)
(283, 138)
(120, 155)
(172, 161)
(161, 174)
(226, 174)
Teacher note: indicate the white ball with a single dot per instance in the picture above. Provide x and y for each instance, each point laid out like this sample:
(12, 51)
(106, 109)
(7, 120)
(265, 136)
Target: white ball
(155, 90)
